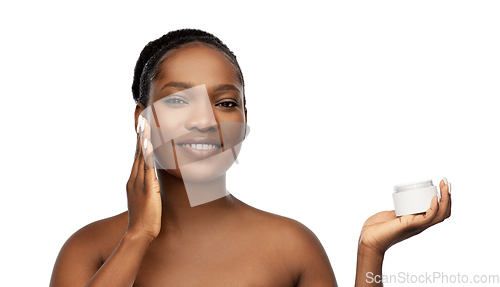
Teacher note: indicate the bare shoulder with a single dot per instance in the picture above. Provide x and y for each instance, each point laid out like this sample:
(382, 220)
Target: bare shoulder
(105, 234)
(97, 237)
(295, 244)
(287, 234)
(85, 251)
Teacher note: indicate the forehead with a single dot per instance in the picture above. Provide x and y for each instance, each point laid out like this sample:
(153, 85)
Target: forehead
(197, 64)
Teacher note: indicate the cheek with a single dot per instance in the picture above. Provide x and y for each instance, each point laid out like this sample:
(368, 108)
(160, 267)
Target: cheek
(232, 127)
(232, 133)
(165, 128)
(234, 116)
(169, 123)
(164, 156)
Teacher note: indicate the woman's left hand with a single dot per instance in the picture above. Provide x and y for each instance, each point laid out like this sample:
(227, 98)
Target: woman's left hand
(384, 229)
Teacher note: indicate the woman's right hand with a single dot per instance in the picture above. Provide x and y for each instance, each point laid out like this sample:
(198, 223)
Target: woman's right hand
(143, 190)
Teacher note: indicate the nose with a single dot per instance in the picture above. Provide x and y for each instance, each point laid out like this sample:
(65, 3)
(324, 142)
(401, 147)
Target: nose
(201, 116)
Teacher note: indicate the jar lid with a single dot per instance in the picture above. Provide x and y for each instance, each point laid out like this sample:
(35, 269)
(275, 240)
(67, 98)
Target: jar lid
(413, 185)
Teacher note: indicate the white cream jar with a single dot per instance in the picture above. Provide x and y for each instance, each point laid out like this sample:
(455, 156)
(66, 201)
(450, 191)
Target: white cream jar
(413, 197)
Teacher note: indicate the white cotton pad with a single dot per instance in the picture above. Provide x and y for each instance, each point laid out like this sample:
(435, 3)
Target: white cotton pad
(413, 197)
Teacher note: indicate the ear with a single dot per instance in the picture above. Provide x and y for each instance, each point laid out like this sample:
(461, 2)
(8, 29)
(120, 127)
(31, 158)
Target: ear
(138, 110)
(247, 128)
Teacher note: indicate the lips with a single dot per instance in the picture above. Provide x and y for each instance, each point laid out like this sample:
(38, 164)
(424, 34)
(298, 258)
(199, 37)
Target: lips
(199, 147)
(201, 140)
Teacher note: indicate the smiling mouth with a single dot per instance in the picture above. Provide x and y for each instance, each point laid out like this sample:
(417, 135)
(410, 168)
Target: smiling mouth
(201, 146)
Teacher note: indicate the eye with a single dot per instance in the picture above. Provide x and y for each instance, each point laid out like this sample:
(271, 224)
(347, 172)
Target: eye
(228, 104)
(174, 101)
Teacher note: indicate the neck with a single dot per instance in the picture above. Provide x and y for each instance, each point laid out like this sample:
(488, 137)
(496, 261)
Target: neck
(192, 205)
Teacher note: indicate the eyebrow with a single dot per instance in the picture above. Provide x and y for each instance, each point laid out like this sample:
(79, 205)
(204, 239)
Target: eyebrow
(226, 87)
(181, 85)
(184, 85)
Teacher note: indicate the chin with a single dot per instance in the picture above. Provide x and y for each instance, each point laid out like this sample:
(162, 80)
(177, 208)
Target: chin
(208, 169)
(205, 170)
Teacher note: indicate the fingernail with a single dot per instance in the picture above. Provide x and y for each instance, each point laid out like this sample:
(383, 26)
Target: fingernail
(139, 122)
(143, 124)
(445, 180)
(449, 188)
(145, 144)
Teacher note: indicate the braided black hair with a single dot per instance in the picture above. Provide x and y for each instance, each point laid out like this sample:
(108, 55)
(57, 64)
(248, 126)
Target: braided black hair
(146, 68)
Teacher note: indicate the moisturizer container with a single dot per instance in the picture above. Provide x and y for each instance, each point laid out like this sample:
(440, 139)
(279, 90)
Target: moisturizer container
(413, 197)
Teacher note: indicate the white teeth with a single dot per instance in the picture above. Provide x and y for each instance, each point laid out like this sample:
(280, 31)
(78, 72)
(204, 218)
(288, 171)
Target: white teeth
(201, 146)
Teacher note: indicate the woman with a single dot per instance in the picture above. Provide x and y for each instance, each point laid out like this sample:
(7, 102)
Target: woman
(182, 228)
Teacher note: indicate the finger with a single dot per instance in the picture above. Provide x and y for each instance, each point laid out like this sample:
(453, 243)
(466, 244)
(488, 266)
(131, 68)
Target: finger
(425, 220)
(447, 191)
(135, 165)
(151, 181)
(140, 168)
(138, 124)
(448, 213)
(442, 184)
(431, 213)
(148, 155)
(443, 204)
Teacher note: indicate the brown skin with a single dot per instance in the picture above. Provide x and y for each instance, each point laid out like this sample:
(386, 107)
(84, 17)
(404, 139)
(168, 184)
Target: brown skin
(162, 241)
(384, 229)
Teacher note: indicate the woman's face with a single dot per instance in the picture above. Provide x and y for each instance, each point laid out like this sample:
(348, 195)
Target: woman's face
(196, 113)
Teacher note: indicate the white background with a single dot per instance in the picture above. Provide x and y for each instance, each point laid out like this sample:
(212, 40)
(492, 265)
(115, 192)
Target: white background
(345, 100)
